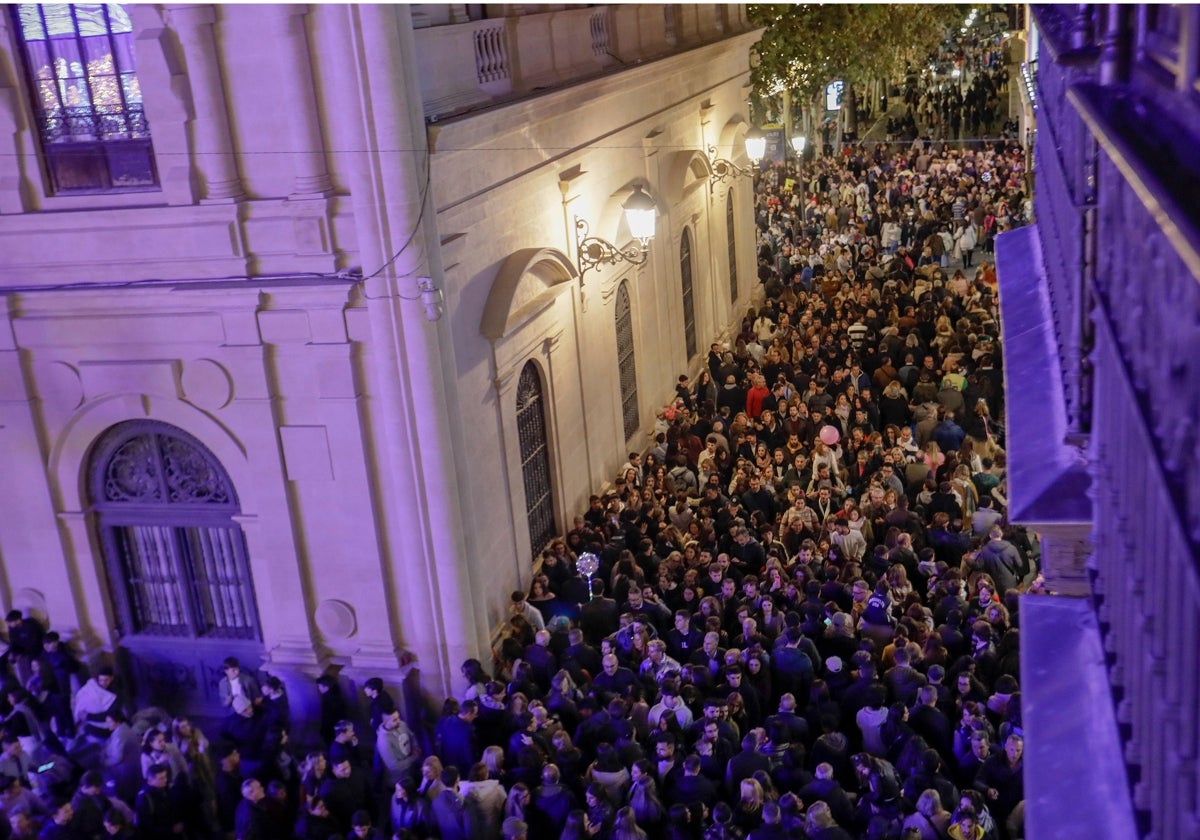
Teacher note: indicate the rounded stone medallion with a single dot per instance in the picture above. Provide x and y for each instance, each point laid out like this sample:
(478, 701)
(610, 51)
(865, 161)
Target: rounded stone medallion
(60, 386)
(207, 384)
(335, 619)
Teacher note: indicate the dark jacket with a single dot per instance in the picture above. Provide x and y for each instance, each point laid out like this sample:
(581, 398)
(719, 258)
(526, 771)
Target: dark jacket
(693, 790)
(458, 743)
(550, 806)
(1001, 560)
(345, 796)
(742, 766)
(249, 824)
(457, 818)
(414, 815)
(309, 827)
(155, 814)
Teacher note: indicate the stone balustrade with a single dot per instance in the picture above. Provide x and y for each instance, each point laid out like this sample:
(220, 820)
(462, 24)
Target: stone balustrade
(469, 65)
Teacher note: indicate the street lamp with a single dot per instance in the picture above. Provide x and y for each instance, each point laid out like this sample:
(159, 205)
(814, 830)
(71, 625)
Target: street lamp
(799, 141)
(594, 252)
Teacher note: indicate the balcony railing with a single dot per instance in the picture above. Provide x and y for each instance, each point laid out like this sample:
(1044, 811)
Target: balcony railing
(1120, 234)
(1065, 156)
(522, 53)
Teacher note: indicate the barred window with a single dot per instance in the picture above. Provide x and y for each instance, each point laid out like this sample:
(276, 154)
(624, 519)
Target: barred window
(689, 307)
(165, 508)
(535, 458)
(626, 364)
(87, 102)
(729, 232)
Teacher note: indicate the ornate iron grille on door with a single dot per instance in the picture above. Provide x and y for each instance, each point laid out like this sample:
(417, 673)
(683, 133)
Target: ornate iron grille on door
(176, 558)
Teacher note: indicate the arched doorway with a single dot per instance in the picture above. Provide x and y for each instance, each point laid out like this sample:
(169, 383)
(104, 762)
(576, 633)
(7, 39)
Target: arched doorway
(164, 511)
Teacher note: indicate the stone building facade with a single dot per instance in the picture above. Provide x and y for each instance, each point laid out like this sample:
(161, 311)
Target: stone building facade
(296, 362)
(1104, 294)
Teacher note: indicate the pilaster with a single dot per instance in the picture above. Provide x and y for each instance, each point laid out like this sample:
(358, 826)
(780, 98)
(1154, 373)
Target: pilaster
(289, 26)
(214, 154)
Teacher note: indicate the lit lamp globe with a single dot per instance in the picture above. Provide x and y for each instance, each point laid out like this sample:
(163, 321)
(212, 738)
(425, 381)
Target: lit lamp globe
(799, 141)
(756, 144)
(639, 215)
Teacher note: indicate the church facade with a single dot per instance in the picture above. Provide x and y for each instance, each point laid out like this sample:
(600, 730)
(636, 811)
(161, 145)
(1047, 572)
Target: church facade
(298, 363)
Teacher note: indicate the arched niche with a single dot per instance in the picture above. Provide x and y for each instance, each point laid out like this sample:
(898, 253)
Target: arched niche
(688, 171)
(731, 143)
(525, 318)
(528, 281)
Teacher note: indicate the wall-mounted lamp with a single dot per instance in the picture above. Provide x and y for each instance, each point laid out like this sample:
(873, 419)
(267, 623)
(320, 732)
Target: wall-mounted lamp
(593, 252)
(723, 168)
(756, 144)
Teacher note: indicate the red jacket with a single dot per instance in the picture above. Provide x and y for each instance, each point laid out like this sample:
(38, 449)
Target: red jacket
(754, 400)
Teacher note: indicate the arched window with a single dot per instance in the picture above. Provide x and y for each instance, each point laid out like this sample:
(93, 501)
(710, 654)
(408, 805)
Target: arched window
(86, 99)
(729, 232)
(535, 458)
(626, 364)
(176, 558)
(689, 307)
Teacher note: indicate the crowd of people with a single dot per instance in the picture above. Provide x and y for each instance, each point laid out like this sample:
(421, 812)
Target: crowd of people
(795, 614)
(962, 91)
(953, 104)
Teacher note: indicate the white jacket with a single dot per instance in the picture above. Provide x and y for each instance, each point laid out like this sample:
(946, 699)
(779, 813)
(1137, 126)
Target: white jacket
(890, 233)
(967, 238)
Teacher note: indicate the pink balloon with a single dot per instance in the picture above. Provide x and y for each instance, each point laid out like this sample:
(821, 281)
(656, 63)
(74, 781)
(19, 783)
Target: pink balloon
(829, 435)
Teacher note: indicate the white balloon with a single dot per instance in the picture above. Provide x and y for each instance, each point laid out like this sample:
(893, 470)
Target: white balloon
(588, 564)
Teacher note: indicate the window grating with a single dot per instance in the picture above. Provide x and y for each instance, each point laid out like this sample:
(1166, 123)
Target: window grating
(729, 232)
(626, 363)
(176, 558)
(689, 307)
(535, 458)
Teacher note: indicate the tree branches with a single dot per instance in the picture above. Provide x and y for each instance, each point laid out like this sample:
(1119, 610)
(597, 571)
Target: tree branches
(804, 47)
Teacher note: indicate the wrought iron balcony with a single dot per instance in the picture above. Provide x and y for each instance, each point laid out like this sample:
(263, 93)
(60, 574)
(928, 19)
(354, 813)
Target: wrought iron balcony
(1118, 232)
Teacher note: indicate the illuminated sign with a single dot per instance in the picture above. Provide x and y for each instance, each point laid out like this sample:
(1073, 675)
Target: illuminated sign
(833, 95)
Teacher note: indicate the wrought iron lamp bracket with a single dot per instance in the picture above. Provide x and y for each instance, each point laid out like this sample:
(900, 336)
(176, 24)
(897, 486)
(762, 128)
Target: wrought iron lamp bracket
(594, 252)
(724, 169)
